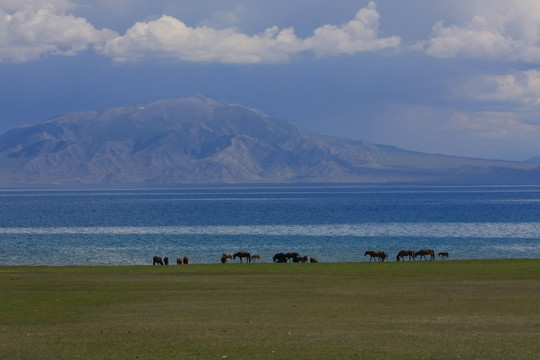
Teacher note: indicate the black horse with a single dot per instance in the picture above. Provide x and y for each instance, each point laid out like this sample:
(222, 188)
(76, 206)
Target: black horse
(292, 256)
(279, 258)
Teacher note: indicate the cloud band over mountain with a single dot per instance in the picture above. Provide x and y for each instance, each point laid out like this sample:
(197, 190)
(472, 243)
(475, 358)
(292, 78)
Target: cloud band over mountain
(32, 29)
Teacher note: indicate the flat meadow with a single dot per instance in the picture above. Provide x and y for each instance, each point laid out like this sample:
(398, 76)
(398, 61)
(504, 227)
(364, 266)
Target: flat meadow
(466, 309)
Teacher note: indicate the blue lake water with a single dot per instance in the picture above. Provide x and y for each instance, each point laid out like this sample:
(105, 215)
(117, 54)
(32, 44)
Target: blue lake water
(331, 223)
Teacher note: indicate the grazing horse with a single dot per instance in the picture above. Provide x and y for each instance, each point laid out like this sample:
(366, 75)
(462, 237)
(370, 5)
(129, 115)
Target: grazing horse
(443, 254)
(313, 260)
(279, 258)
(242, 254)
(425, 252)
(178, 261)
(227, 256)
(166, 260)
(256, 257)
(381, 255)
(186, 260)
(404, 253)
(291, 256)
(157, 260)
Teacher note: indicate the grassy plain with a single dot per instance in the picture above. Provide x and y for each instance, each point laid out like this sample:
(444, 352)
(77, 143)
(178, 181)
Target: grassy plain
(481, 309)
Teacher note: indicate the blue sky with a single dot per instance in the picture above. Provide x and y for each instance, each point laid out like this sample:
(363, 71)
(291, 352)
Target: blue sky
(453, 77)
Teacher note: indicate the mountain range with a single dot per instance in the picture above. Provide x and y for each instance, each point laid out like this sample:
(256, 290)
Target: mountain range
(200, 140)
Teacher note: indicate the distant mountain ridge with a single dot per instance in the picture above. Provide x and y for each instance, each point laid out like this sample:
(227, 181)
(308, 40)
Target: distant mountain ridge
(201, 140)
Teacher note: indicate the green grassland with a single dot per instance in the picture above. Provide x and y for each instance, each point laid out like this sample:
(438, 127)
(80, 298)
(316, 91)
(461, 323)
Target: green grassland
(480, 309)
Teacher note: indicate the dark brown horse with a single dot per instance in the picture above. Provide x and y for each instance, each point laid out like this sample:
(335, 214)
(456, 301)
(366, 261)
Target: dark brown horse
(241, 255)
(157, 260)
(424, 252)
(313, 260)
(443, 255)
(178, 261)
(401, 255)
(186, 260)
(166, 260)
(381, 255)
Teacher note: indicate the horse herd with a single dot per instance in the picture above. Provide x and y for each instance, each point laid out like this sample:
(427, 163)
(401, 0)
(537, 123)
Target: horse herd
(278, 258)
(381, 255)
(157, 260)
(295, 257)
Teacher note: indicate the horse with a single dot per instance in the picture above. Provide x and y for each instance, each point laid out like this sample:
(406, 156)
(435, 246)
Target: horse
(256, 257)
(157, 260)
(404, 253)
(186, 260)
(178, 261)
(166, 260)
(279, 258)
(443, 254)
(425, 252)
(223, 259)
(242, 254)
(313, 260)
(291, 256)
(303, 259)
(227, 256)
(376, 255)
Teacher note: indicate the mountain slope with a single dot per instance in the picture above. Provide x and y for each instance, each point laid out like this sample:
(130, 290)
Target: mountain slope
(200, 140)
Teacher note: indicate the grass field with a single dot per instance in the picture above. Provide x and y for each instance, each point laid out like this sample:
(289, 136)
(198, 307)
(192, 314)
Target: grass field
(481, 309)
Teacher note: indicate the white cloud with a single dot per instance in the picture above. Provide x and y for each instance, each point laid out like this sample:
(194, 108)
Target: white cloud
(31, 29)
(171, 38)
(496, 29)
(519, 87)
(359, 34)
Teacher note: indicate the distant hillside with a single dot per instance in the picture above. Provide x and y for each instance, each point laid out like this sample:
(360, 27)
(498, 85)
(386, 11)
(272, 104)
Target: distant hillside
(200, 140)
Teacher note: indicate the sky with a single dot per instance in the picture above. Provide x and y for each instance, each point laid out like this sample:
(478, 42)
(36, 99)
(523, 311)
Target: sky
(457, 77)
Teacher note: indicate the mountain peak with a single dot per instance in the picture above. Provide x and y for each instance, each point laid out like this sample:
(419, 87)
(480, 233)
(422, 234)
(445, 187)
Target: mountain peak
(202, 140)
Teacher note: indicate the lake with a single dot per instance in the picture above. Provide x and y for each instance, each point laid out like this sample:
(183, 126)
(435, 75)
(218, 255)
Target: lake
(126, 226)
